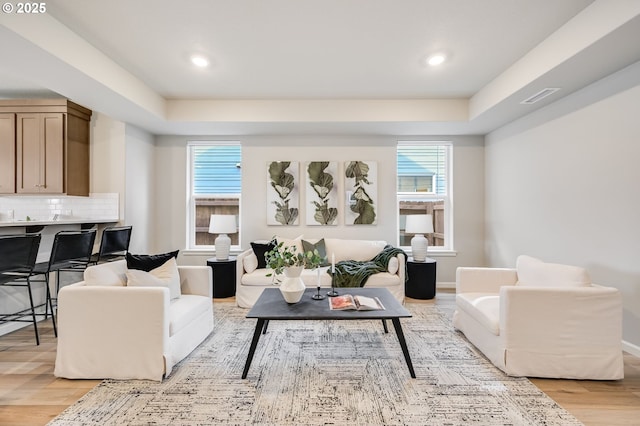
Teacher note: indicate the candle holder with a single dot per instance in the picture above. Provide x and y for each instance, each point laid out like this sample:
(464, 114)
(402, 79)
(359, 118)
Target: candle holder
(318, 296)
(333, 292)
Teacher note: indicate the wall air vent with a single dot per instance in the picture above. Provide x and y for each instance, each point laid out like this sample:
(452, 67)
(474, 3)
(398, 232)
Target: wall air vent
(540, 95)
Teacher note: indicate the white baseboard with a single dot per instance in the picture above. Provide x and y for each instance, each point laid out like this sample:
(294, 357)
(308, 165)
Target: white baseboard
(446, 285)
(631, 348)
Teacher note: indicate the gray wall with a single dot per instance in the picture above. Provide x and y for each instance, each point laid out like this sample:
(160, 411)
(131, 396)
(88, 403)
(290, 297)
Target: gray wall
(562, 185)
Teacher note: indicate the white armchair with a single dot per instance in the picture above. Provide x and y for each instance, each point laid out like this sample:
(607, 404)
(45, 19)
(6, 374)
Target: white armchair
(108, 330)
(541, 320)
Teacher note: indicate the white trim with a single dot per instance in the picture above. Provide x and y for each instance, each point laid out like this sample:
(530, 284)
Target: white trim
(447, 285)
(631, 348)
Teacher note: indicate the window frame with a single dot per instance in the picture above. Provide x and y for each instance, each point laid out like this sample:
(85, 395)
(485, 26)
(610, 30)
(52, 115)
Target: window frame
(447, 197)
(191, 197)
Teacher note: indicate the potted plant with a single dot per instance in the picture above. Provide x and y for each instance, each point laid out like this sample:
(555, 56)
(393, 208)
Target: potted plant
(287, 259)
(281, 257)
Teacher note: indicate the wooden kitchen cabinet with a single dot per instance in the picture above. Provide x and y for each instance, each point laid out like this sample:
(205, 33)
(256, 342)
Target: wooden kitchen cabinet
(51, 146)
(7, 153)
(40, 153)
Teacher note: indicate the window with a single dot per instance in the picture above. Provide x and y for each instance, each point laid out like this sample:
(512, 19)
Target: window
(424, 188)
(214, 188)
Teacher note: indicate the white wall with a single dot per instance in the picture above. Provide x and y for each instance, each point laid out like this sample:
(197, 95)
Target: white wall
(468, 201)
(140, 196)
(123, 162)
(107, 157)
(566, 190)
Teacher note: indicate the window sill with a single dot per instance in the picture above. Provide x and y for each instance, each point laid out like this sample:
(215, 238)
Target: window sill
(433, 253)
(208, 252)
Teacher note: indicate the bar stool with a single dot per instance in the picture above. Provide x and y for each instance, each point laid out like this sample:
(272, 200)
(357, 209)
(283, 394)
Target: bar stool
(113, 245)
(17, 260)
(71, 252)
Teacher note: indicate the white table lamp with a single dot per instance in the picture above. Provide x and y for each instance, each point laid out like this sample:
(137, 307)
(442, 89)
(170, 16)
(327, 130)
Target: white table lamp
(222, 224)
(419, 224)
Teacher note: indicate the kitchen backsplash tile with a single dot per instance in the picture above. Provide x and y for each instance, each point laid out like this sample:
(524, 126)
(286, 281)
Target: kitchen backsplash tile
(96, 206)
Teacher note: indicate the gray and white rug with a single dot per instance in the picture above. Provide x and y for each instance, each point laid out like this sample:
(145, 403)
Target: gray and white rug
(325, 373)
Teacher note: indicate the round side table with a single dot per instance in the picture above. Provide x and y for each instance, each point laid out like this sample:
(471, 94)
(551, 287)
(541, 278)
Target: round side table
(421, 282)
(224, 276)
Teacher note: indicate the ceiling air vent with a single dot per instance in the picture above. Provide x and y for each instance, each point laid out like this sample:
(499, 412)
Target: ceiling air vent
(540, 95)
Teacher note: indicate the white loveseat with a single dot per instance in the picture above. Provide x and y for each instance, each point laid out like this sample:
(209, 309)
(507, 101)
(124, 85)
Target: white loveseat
(541, 320)
(108, 330)
(250, 282)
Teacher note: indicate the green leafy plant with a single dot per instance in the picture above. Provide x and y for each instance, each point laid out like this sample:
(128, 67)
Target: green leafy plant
(283, 183)
(322, 184)
(360, 202)
(281, 257)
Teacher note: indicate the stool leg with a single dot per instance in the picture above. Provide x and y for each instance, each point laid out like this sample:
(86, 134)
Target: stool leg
(33, 312)
(53, 317)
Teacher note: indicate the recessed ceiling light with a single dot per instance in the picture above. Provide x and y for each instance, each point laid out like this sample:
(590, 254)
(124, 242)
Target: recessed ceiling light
(199, 61)
(435, 60)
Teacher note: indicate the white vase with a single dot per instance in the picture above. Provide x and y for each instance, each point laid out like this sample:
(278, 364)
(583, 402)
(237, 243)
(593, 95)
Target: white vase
(292, 287)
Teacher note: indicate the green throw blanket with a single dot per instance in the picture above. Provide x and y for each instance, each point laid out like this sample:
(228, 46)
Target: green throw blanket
(351, 273)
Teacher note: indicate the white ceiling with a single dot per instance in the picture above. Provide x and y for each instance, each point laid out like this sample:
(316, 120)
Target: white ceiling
(131, 60)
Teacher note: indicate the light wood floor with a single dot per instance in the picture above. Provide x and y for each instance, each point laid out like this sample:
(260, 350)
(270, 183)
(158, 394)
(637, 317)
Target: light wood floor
(30, 395)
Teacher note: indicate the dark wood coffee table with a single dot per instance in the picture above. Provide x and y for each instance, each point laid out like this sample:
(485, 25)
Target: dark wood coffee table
(271, 306)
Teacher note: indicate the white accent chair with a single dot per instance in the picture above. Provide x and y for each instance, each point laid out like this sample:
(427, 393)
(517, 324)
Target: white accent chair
(109, 330)
(541, 320)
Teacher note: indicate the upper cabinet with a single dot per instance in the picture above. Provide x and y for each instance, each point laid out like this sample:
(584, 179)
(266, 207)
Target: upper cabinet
(7, 153)
(51, 145)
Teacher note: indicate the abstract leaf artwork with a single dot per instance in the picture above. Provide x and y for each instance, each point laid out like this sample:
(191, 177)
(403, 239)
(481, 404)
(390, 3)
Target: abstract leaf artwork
(361, 192)
(282, 193)
(322, 199)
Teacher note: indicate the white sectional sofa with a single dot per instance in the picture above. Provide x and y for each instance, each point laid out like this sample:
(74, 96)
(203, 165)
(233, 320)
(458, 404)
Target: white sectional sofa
(541, 320)
(109, 330)
(251, 281)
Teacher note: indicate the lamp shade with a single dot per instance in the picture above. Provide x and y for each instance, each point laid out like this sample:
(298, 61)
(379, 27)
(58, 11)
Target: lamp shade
(419, 224)
(222, 224)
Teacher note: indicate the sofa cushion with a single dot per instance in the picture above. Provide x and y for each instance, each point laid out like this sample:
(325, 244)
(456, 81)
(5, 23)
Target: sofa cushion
(483, 307)
(147, 262)
(536, 273)
(258, 278)
(288, 242)
(165, 275)
(106, 274)
(184, 310)
(359, 250)
(320, 246)
(260, 249)
(250, 263)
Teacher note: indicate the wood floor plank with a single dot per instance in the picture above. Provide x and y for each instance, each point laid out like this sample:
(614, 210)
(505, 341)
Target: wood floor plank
(31, 396)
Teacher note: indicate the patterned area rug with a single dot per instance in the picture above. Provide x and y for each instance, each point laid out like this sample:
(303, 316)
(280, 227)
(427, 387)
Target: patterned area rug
(325, 373)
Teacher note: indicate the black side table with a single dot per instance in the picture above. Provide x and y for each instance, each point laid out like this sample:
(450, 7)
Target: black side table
(224, 276)
(421, 283)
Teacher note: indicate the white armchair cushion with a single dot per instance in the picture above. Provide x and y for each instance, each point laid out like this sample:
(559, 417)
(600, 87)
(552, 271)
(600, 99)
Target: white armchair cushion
(163, 276)
(483, 307)
(536, 273)
(106, 274)
(184, 310)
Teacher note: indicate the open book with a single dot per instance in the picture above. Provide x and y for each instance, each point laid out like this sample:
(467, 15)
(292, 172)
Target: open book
(358, 303)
